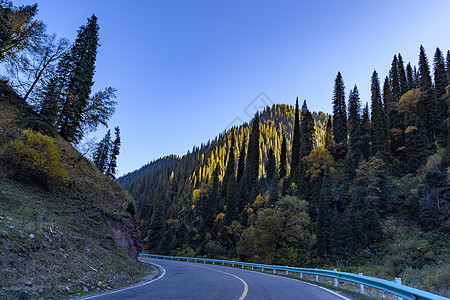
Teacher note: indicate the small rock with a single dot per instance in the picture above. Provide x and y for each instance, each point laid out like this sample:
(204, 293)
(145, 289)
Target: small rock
(29, 283)
(99, 283)
(23, 295)
(9, 218)
(40, 291)
(85, 289)
(32, 236)
(21, 236)
(11, 226)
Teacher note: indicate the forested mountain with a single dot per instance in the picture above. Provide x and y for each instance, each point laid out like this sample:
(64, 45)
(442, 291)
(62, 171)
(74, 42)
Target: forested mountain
(368, 185)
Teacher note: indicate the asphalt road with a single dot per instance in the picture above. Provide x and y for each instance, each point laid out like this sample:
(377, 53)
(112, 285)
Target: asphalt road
(183, 280)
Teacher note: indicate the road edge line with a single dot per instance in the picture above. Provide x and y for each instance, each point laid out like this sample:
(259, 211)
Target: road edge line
(129, 287)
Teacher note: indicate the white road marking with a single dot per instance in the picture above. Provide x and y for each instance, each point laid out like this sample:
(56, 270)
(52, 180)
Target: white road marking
(130, 287)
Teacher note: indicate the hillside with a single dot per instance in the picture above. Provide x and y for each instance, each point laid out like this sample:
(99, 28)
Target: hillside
(60, 239)
(367, 190)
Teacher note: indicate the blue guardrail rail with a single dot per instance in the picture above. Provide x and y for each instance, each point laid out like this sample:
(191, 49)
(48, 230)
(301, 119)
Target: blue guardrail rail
(397, 289)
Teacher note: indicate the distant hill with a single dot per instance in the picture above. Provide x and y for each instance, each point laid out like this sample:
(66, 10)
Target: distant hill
(60, 238)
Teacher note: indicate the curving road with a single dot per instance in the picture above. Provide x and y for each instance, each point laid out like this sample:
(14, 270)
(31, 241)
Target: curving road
(183, 280)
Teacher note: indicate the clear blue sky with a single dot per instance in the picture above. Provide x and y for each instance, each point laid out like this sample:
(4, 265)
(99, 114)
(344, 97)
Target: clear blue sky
(185, 70)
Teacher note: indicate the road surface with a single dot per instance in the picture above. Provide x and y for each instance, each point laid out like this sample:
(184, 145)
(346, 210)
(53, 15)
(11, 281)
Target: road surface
(186, 280)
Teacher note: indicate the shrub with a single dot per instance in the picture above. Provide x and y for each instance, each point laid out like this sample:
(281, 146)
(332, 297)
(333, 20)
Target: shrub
(36, 154)
(131, 209)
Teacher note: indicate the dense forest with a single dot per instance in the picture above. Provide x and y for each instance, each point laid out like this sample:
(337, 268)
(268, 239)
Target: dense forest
(366, 186)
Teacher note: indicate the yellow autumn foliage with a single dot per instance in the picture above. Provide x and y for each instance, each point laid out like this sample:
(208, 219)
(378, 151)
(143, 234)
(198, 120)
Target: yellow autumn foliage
(36, 153)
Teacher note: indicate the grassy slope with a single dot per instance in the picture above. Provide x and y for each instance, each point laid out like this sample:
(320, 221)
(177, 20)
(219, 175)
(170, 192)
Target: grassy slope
(59, 241)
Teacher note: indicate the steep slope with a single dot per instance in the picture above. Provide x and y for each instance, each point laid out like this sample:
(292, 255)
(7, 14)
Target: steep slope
(59, 239)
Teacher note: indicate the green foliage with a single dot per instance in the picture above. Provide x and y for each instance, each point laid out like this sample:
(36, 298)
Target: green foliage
(131, 209)
(37, 155)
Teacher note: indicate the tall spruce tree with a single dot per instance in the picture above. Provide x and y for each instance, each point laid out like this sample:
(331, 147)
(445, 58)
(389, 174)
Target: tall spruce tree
(403, 82)
(253, 155)
(76, 73)
(270, 165)
(102, 152)
(115, 150)
(394, 79)
(355, 153)
(447, 61)
(232, 201)
(295, 150)
(307, 130)
(339, 111)
(157, 226)
(324, 214)
(429, 115)
(378, 118)
(241, 162)
(410, 77)
(440, 82)
(230, 169)
(210, 206)
(283, 158)
(366, 133)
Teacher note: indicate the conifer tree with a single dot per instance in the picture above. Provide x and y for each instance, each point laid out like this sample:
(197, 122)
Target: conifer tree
(410, 77)
(325, 210)
(76, 73)
(403, 82)
(157, 226)
(339, 111)
(429, 114)
(211, 204)
(378, 117)
(448, 65)
(394, 79)
(102, 152)
(440, 82)
(366, 133)
(253, 158)
(283, 158)
(354, 153)
(232, 201)
(241, 162)
(295, 154)
(270, 165)
(115, 150)
(307, 131)
(329, 135)
(230, 169)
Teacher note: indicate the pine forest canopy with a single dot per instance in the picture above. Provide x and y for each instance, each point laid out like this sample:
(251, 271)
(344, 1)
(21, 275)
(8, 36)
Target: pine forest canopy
(333, 185)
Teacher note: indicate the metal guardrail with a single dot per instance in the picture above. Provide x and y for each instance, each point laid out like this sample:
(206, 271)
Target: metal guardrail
(394, 288)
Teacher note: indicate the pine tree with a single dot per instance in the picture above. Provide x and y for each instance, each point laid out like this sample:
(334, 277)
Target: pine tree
(283, 158)
(325, 209)
(394, 79)
(230, 169)
(295, 154)
(253, 155)
(115, 150)
(378, 118)
(410, 77)
(354, 153)
(307, 131)
(157, 226)
(448, 66)
(241, 162)
(339, 111)
(232, 201)
(440, 81)
(329, 135)
(270, 165)
(102, 152)
(76, 73)
(366, 133)
(429, 117)
(403, 82)
(210, 206)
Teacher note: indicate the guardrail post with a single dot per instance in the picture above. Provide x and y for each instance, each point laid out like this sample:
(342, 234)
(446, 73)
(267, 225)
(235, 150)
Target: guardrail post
(398, 281)
(223, 264)
(242, 266)
(361, 286)
(252, 268)
(335, 280)
(262, 269)
(287, 273)
(301, 275)
(273, 271)
(317, 278)
(232, 265)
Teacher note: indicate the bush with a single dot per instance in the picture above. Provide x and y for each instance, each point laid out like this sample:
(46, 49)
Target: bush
(131, 209)
(36, 154)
